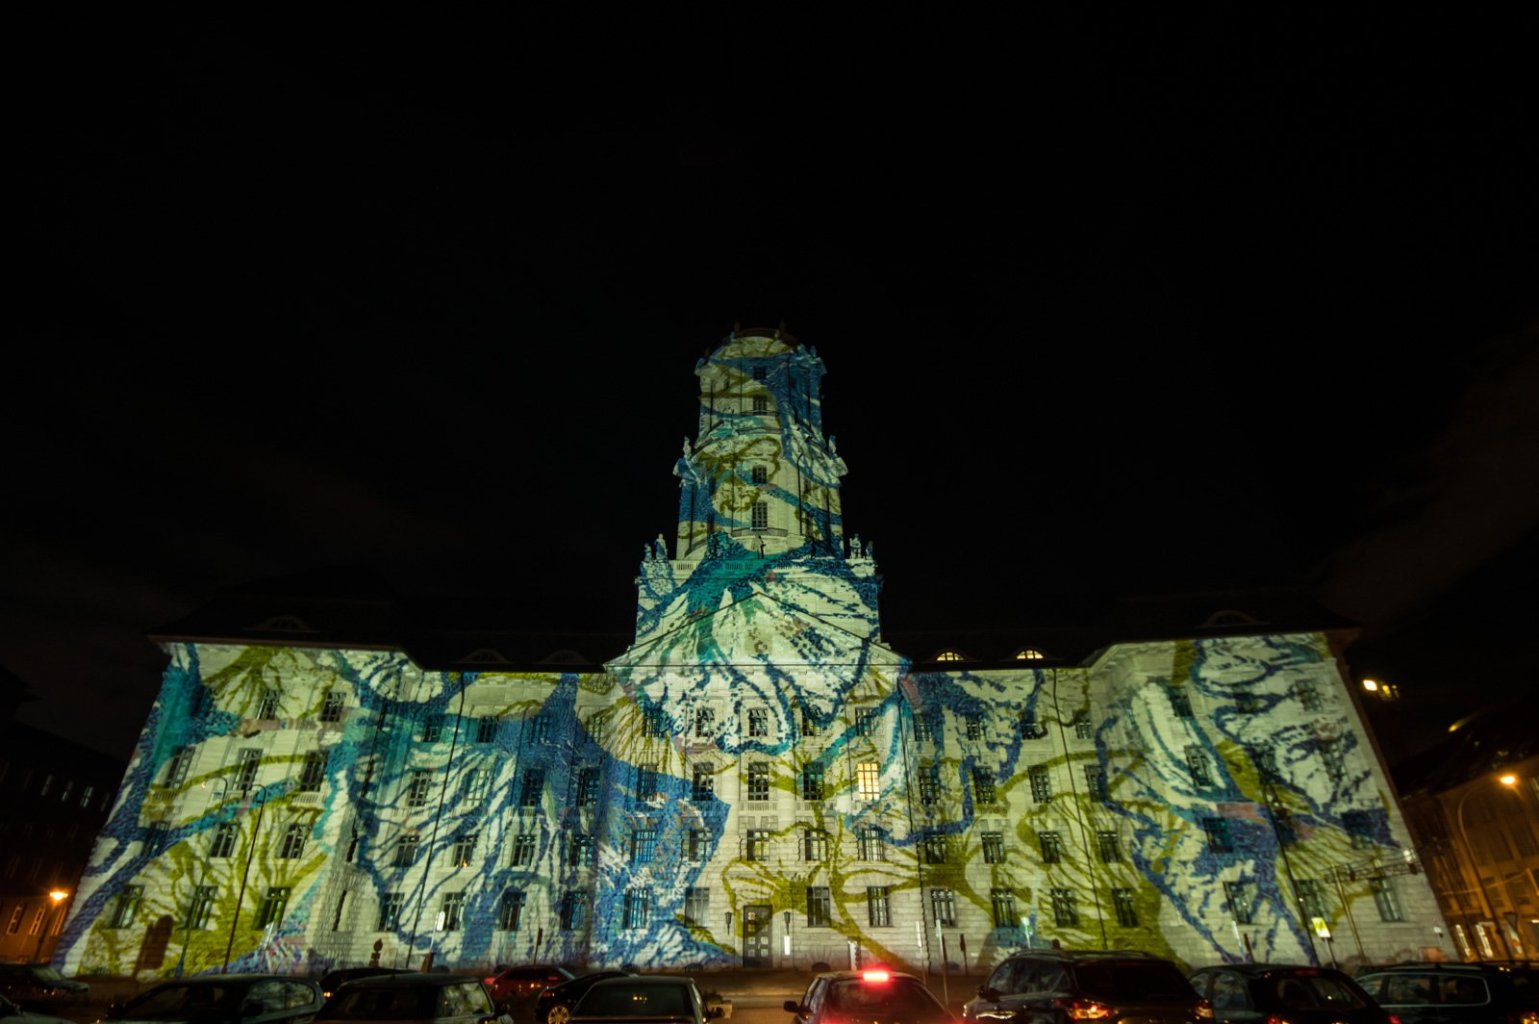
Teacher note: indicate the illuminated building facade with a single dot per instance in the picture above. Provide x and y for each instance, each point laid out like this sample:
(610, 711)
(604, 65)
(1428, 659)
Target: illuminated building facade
(757, 776)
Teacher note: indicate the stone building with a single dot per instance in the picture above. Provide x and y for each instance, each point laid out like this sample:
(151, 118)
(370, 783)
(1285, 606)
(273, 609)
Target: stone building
(757, 775)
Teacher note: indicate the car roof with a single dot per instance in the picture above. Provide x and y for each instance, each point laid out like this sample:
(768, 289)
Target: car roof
(411, 979)
(860, 975)
(225, 979)
(1259, 969)
(647, 979)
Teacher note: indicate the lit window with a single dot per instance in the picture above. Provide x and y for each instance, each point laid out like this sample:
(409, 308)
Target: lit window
(868, 780)
(463, 850)
(950, 656)
(1028, 654)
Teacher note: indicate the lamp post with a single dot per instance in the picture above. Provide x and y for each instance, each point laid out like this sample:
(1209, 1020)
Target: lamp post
(58, 896)
(1509, 780)
(181, 961)
(240, 898)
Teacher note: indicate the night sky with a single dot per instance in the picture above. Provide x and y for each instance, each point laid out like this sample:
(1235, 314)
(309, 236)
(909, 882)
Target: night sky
(1150, 304)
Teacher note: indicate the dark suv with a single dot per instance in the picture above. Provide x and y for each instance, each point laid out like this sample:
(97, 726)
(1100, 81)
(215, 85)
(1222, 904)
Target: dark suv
(1439, 993)
(1057, 986)
(1297, 993)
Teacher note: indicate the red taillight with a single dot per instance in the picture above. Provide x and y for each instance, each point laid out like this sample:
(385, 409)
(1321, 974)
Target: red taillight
(1272, 1018)
(490, 981)
(1204, 1010)
(1393, 1019)
(1085, 1009)
(877, 976)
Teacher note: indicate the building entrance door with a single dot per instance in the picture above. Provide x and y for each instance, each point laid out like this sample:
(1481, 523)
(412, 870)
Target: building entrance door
(758, 929)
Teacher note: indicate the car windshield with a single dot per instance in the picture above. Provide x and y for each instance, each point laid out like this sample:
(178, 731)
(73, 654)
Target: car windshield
(858, 997)
(620, 1000)
(47, 974)
(180, 1001)
(395, 1002)
(1314, 992)
(1132, 981)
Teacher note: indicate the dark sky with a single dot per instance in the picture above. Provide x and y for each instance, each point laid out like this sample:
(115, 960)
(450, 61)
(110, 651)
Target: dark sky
(1146, 304)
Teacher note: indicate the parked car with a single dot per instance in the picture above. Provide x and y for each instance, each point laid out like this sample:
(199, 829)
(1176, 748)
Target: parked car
(1441, 993)
(40, 986)
(1296, 993)
(332, 981)
(643, 999)
(554, 1004)
(225, 999)
(10, 1013)
(1056, 986)
(870, 995)
(413, 998)
(515, 988)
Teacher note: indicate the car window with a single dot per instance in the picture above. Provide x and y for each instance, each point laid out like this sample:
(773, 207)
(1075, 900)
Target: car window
(1229, 992)
(478, 999)
(1406, 990)
(296, 996)
(394, 1003)
(1155, 981)
(813, 1000)
(858, 998)
(999, 981)
(620, 1000)
(1462, 990)
(269, 994)
(1334, 992)
(167, 1000)
(1052, 978)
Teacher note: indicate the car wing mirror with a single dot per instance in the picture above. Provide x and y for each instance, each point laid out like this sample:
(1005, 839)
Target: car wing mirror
(715, 1011)
(984, 992)
(792, 1006)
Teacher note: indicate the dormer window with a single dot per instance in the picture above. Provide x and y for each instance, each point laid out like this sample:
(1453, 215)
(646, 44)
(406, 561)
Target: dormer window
(1029, 654)
(951, 655)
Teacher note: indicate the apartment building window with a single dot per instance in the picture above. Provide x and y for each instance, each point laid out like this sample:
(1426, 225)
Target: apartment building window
(176, 768)
(761, 373)
(464, 850)
(574, 911)
(510, 911)
(809, 724)
(1041, 783)
(943, 903)
(587, 787)
(1386, 899)
(705, 722)
(1265, 760)
(523, 850)
(1308, 695)
(1359, 826)
(878, 906)
(478, 781)
(643, 845)
(812, 782)
(868, 780)
(756, 845)
(1241, 901)
(638, 908)
(820, 906)
(406, 849)
(1052, 846)
(993, 844)
(1095, 782)
(268, 707)
(390, 907)
(703, 785)
(1197, 766)
(1031, 729)
(1083, 728)
(16, 915)
(313, 773)
(486, 729)
(201, 907)
(653, 723)
(1110, 847)
(1065, 909)
(451, 912)
(697, 904)
(865, 722)
(579, 851)
(126, 906)
(929, 784)
(759, 475)
(418, 785)
(155, 837)
(534, 784)
(933, 849)
(973, 727)
(1126, 909)
(697, 844)
(223, 842)
(759, 780)
(273, 906)
(1311, 897)
(1335, 761)
(1218, 834)
(759, 514)
(539, 729)
(760, 404)
(293, 844)
(814, 844)
(869, 843)
(432, 728)
(1180, 702)
(646, 780)
(983, 785)
(246, 769)
(758, 723)
(332, 705)
(1002, 906)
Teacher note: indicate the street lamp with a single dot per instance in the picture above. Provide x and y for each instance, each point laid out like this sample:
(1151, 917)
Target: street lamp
(58, 896)
(1509, 780)
(224, 791)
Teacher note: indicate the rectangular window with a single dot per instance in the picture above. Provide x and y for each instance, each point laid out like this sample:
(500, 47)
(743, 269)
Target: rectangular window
(820, 906)
(155, 837)
(452, 911)
(1265, 760)
(697, 904)
(653, 722)
(1241, 902)
(332, 705)
(313, 773)
(869, 844)
(759, 474)
(933, 849)
(1311, 897)
(1002, 906)
(1031, 729)
(643, 845)
(464, 850)
(703, 785)
(534, 785)
(758, 723)
(478, 781)
(539, 729)
(929, 785)
(579, 852)
(223, 842)
(1308, 695)
(983, 785)
(1083, 729)
(638, 908)
(587, 787)
(812, 782)
(1180, 702)
(16, 915)
(523, 850)
(406, 850)
(1127, 911)
(973, 727)
(293, 844)
(1095, 782)
(1111, 849)
(705, 723)
(865, 722)
(176, 768)
(511, 910)
(418, 785)
(246, 771)
(1335, 763)
(761, 403)
(756, 845)
(868, 775)
(814, 844)
(126, 906)
(878, 907)
(761, 373)
(432, 728)
(1197, 766)
(1386, 899)
(574, 911)
(390, 905)
(943, 902)
(1065, 910)
(1041, 783)
(486, 729)
(268, 708)
(273, 906)
(201, 907)
(1359, 826)
(760, 512)
(759, 780)
(697, 845)
(1052, 847)
(1218, 834)
(809, 724)
(993, 844)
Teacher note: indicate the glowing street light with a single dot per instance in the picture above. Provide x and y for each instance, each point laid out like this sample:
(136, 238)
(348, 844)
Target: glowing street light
(58, 896)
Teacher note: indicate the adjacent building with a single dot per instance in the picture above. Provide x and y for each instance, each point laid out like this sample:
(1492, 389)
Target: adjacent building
(757, 775)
